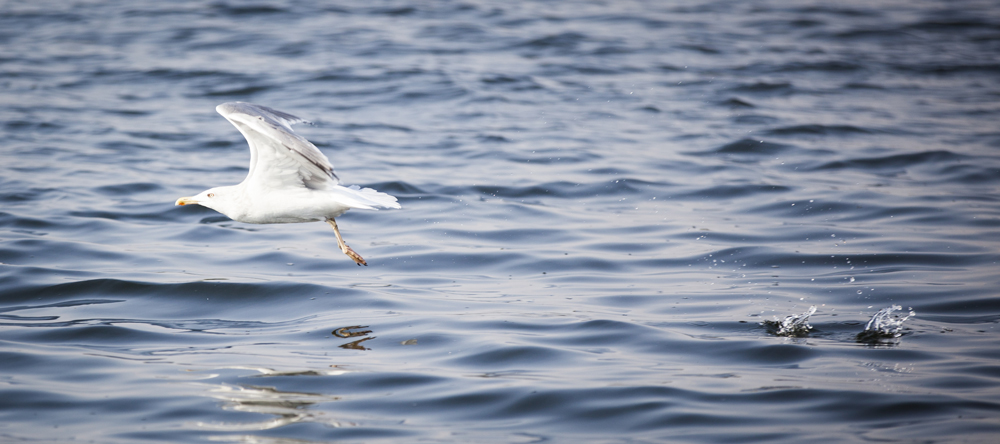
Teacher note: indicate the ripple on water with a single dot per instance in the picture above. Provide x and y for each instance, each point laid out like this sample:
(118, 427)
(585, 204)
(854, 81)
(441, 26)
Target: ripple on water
(600, 205)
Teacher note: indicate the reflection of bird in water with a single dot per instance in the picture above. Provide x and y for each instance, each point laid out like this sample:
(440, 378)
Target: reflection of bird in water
(286, 407)
(289, 181)
(345, 332)
(356, 345)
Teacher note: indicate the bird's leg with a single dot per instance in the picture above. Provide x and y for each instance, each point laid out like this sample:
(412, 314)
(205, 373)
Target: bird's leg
(343, 246)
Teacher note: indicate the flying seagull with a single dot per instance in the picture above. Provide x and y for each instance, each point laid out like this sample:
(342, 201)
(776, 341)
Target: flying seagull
(290, 180)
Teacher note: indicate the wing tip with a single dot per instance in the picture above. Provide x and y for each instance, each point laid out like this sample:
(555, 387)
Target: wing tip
(228, 108)
(252, 109)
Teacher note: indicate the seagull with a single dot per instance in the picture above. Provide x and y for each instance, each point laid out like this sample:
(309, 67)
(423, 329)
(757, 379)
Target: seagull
(290, 180)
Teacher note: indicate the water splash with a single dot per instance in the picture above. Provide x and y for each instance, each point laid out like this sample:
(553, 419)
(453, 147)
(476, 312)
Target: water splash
(884, 325)
(795, 326)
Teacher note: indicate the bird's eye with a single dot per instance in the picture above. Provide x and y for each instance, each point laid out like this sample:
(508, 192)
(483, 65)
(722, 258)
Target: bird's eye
(211, 194)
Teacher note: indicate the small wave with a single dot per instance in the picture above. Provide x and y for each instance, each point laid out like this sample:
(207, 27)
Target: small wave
(228, 9)
(128, 188)
(863, 86)
(366, 77)
(833, 66)
(823, 130)
(581, 67)
(808, 208)
(867, 34)
(764, 87)
(154, 215)
(566, 40)
(952, 25)
(513, 357)
(238, 91)
(492, 138)
(33, 126)
(72, 303)
(734, 191)
(894, 161)
(376, 127)
(936, 68)
(440, 95)
(503, 79)
(23, 195)
(562, 189)
(754, 119)
(152, 135)
(181, 74)
(464, 32)
(752, 147)
(394, 11)
(704, 49)
(734, 102)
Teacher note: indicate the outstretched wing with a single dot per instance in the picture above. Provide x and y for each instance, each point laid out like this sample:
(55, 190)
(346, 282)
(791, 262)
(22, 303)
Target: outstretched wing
(279, 158)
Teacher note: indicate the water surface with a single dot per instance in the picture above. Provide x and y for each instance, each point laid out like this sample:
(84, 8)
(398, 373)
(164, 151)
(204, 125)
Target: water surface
(602, 202)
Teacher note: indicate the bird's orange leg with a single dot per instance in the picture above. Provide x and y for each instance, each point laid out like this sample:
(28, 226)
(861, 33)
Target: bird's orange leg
(343, 246)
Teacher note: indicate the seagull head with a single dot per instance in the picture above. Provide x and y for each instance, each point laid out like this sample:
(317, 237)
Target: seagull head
(221, 199)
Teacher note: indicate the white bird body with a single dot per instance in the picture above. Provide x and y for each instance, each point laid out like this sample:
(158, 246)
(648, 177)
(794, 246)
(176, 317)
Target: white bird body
(290, 180)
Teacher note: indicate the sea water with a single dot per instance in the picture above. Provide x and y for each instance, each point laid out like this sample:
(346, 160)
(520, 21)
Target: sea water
(602, 202)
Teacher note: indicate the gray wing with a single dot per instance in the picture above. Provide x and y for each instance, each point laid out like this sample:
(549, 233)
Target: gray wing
(279, 158)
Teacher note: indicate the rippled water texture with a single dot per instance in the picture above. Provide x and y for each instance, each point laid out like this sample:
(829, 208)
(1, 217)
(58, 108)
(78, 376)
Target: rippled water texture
(602, 203)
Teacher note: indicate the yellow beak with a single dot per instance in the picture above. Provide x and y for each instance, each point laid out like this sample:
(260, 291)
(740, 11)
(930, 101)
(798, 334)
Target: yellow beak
(185, 201)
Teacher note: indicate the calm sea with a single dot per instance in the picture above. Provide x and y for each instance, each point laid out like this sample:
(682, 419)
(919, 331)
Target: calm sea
(602, 203)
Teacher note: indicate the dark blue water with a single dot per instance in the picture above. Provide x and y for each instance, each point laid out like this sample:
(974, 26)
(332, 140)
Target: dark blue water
(602, 202)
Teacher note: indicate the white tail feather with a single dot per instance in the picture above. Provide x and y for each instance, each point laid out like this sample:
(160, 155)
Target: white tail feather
(364, 198)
